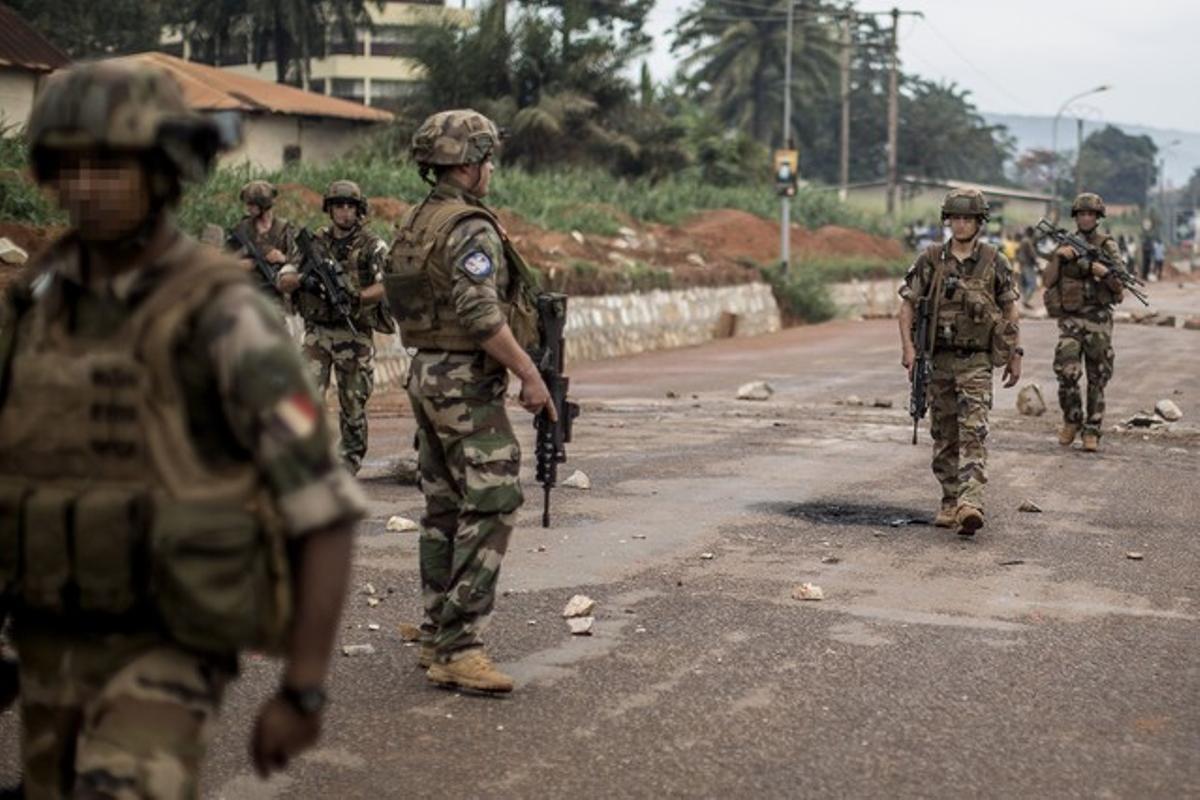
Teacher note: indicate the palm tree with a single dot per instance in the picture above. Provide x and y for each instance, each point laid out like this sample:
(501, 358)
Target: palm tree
(736, 59)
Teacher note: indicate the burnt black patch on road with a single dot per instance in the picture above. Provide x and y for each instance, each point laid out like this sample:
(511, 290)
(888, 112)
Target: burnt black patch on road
(840, 512)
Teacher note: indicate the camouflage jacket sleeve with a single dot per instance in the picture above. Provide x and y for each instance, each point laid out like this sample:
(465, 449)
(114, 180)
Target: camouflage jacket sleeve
(1006, 287)
(375, 257)
(270, 408)
(916, 279)
(1113, 251)
(477, 269)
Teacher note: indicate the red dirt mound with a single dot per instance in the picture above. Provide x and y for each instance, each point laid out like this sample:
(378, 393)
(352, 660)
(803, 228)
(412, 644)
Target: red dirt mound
(738, 234)
(387, 209)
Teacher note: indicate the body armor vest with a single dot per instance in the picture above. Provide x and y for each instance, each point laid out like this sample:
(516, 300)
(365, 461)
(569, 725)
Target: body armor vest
(1071, 288)
(967, 313)
(419, 283)
(107, 512)
(351, 254)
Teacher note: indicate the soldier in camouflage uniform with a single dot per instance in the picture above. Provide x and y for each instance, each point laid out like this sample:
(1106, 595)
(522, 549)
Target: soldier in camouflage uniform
(342, 346)
(973, 299)
(169, 493)
(458, 291)
(1081, 295)
(273, 238)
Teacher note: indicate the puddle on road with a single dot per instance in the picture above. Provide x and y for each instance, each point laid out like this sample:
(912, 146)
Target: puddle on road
(840, 512)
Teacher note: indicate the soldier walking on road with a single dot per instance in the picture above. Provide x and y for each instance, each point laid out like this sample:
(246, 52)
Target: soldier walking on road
(271, 237)
(345, 345)
(460, 295)
(975, 318)
(1081, 295)
(168, 490)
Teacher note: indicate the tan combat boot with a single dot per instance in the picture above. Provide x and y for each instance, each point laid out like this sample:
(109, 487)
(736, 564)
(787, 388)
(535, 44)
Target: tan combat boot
(946, 516)
(471, 669)
(1091, 442)
(969, 519)
(1067, 433)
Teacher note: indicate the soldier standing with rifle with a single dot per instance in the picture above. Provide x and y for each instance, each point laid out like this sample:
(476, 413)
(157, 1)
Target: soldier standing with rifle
(1081, 292)
(464, 299)
(264, 240)
(960, 303)
(168, 490)
(338, 291)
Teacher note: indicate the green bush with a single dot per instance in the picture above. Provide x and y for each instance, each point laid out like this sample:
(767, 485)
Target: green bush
(803, 294)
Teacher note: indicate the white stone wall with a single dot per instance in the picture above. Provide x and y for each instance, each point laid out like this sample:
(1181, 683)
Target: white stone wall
(264, 137)
(16, 95)
(618, 325)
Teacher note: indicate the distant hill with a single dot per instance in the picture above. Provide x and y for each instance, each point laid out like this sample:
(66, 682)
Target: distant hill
(1035, 132)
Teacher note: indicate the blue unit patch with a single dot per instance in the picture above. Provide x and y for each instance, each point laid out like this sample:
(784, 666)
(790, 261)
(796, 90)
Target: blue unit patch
(478, 265)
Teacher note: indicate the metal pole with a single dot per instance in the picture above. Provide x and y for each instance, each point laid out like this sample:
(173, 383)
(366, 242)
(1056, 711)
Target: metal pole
(1078, 155)
(785, 211)
(1054, 142)
(844, 170)
(893, 120)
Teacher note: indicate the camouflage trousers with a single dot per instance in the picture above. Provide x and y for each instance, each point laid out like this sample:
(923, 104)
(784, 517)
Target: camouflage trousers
(1084, 344)
(115, 716)
(352, 358)
(960, 397)
(469, 461)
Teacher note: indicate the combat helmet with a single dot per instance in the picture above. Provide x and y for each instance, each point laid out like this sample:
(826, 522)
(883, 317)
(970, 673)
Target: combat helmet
(260, 193)
(345, 190)
(118, 105)
(965, 201)
(1088, 201)
(450, 138)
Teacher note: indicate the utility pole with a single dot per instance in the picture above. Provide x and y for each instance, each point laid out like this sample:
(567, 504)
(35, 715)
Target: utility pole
(844, 171)
(893, 114)
(785, 221)
(1078, 155)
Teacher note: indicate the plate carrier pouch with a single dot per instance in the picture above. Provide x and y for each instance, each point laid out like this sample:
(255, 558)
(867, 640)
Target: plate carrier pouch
(1071, 288)
(418, 282)
(967, 319)
(108, 516)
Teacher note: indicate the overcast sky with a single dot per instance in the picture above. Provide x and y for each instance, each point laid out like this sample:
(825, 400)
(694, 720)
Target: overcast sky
(1028, 56)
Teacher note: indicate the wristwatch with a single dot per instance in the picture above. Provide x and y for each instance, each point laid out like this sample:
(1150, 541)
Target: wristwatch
(306, 702)
(1019, 351)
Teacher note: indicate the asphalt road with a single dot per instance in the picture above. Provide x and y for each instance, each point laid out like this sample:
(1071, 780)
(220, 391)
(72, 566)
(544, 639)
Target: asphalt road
(1036, 660)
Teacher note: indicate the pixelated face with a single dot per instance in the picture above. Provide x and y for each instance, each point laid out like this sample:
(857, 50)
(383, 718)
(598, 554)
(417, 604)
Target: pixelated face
(254, 210)
(963, 226)
(344, 213)
(105, 193)
(1086, 220)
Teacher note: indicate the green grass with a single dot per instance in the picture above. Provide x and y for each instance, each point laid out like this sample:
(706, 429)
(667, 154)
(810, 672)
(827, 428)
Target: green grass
(838, 270)
(803, 295)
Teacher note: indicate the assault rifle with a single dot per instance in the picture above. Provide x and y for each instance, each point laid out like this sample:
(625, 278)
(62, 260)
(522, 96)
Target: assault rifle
(552, 437)
(1089, 254)
(918, 401)
(265, 269)
(323, 276)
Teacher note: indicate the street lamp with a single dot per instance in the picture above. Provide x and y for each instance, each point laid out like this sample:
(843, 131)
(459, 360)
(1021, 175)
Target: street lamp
(1104, 87)
(1167, 230)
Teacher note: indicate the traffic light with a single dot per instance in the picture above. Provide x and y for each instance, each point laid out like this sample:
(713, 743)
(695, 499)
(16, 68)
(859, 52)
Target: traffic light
(787, 169)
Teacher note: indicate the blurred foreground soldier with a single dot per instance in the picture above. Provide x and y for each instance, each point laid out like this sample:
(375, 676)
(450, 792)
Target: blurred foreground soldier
(262, 239)
(1081, 296)
(168, 490)
(973, 313)
(461, 297)
(342, 341)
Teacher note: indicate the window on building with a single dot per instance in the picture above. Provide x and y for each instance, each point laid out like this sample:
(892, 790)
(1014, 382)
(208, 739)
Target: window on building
(348, 89)
(393, 40)
(317, 85)
(339, 45)
(392, 95)
(291, 154)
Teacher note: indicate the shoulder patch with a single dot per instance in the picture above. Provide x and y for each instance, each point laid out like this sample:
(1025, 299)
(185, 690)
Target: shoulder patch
(478, 265)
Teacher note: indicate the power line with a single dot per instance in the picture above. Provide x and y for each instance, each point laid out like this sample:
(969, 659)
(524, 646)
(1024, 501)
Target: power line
(954, 49)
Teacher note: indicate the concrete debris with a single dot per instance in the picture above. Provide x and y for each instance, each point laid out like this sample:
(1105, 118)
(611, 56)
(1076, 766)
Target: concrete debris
(854, 400)
(372, 626)
(10, 253)
(408, 632)
(1030, 402)
(621, 244)
(808, 591)
(627, 233)
(581, 626)
(372, 602)
(755, 390)
(1030, 507)
(579, 606)
(1191, 324)
(639, 629)
(830, 560)
(708, 556)
(368, 588)
(1166, 321)
(358, 650)
(1143, 420)
(401, 525)
(1134, 555)
(672, 395)
(578, 237)
(639, 536)
(697, 259)
(405, 471)
(1168, 410)
(577, 480)
(880, 402)
(1012, 562)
